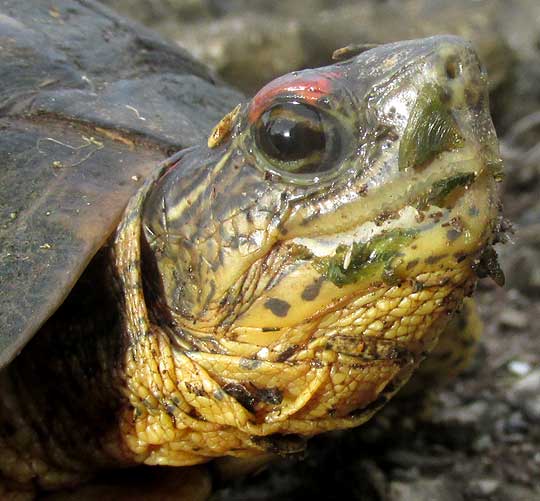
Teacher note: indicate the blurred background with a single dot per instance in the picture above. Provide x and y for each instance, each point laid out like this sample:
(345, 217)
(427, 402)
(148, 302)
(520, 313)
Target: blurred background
(479, 437)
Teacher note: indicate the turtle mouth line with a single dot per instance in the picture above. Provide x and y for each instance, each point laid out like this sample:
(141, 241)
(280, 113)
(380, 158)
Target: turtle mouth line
(431, 206)
(451, 217)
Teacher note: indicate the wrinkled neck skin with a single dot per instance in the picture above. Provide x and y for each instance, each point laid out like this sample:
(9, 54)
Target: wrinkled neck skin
(262, 309)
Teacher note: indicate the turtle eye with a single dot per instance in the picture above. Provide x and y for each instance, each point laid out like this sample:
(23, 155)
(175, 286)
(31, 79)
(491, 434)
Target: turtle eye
(298, 138)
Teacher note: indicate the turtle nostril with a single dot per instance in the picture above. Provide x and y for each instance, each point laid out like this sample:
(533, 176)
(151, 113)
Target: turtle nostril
(453, 68)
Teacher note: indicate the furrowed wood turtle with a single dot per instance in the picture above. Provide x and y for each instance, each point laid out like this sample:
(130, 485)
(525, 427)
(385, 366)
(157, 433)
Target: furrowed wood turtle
(280, 279)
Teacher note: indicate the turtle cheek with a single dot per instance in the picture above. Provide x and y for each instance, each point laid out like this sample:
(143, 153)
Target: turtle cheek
(298, 293)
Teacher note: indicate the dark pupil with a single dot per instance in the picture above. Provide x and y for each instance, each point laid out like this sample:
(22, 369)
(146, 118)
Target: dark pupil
(291, 131)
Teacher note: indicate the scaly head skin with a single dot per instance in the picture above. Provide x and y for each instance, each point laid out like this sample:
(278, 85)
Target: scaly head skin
(288, 279)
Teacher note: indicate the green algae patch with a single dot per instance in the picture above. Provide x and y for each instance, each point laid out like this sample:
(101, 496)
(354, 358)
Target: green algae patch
(440, 189)
(364, 260)
(431, 129)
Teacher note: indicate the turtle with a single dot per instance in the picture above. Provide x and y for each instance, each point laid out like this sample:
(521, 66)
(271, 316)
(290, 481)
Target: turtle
(278, 276)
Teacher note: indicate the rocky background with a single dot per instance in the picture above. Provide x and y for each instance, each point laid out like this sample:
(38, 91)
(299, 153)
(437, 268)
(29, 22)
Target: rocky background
(478, 438)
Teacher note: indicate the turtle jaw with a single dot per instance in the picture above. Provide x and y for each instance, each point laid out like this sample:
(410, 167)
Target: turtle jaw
(359, 340)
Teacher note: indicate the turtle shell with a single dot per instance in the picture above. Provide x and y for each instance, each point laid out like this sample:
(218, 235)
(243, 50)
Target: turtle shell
(89, 104)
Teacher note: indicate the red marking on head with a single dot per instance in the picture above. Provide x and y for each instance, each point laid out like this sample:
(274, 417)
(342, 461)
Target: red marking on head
(307, 86)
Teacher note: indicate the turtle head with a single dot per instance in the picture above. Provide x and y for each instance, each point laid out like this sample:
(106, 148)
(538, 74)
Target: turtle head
(329, 231)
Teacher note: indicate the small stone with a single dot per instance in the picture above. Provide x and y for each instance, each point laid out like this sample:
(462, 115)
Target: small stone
(528, 386)
(516, 424)
(424, 489)
(466, 414)
(482, 443)
(485, 486)
(525, 394)
(532, 409)
(515, 492)
(519, 368)
(513, 318)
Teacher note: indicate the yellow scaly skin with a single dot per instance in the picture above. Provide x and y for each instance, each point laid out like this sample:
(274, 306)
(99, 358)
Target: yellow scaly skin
(254, 305)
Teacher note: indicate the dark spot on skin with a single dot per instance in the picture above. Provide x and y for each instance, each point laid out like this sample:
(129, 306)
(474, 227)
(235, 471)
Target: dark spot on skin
(418, 286)
(218, 395)
(457, 224)
(363, 190)
(277, 306)
(433, 259)
(287, 353)
(383, 216)
(412, 264)
(242, 395)
(460, 257)
(272, 396)
(249, 363)
(195, 389)
(453, 68)
(312, 290)
(400, 355)
(270, 329)
(474, 211)
(453, 235)
(436, 216)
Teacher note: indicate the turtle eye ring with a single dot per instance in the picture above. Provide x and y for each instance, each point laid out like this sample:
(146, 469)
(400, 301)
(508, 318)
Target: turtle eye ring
(298, 138)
